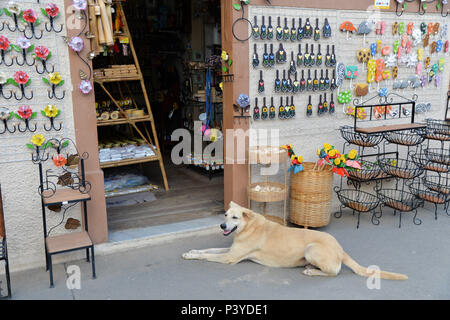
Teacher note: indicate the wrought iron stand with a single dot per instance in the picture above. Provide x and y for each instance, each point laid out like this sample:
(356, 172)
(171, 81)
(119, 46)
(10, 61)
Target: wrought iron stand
(4, 252)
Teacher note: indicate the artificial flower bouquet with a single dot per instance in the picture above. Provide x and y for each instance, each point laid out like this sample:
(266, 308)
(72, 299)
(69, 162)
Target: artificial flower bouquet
(338, 162)
(296, 161)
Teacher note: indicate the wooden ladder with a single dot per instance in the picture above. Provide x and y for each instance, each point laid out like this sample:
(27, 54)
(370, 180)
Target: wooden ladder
(135, 76)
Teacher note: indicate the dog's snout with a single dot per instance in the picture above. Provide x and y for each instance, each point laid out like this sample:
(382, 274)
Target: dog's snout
(223, 226)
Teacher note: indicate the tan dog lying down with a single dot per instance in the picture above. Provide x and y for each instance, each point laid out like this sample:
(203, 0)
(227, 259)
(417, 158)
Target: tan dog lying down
(274, 245)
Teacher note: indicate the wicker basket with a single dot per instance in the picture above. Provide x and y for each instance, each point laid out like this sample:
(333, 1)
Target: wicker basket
(310, 196)
(267, 196)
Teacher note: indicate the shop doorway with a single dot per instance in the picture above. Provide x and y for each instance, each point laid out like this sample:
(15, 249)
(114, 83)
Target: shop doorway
(177, 45)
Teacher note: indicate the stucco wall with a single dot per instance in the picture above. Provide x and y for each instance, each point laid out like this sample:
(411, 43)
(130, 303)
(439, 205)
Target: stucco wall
(19, 177)
(306, 134)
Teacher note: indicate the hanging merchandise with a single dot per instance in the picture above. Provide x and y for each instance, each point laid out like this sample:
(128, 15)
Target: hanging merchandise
(320, 109)
(272, 109)
(326, 81)
(332, 106)
(326, 30)
(271, 56)
(325, 103)
(286, 35)
(321, 81)
(23, 46)
(319, 58)
(402, 4)
(401, 28)
(41, 53)
(289, 83)
(333, 85)
(255, 59)
(364, 28)
(284, 83)
(295, 84)
(309, 82)
(315, 81)
(333, 57)
(260, 82)
(300, 30)
(51, 11)
(21, 80)
(299, 56)
(317, 31)
(328, 57)
(307, 57)
(292, 68)
(264, 113)
(281, 55)
(5, 47)
(340, 74)
(312, 57)
(344, 97)
(265, 62)
(347, 26)
(277, 82)
(30, 17)
(309, 107)
(281, 112)
(293, 31)
(380, 28)
(307, 30)
(279, 31)
(302, 82)
(270, 30)
(263, 33)
(256, 109)
(255, 29)
(292, 109)
(395, 28)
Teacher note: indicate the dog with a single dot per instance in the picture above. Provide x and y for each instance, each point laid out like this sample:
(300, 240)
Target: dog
(273, 245)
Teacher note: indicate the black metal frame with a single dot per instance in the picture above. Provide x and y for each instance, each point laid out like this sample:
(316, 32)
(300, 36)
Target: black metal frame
(447, 115)
(4, 257)
(44, 186)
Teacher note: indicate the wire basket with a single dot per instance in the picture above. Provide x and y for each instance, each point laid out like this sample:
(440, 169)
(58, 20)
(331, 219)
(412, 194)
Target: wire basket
(399, 200)
(421, 191)
(357, 200)
(437, 184)
(360, 139)
(438, 126)
(437, 155)
(400, 168)
(369, 171)
(408, 138)
(425, 163)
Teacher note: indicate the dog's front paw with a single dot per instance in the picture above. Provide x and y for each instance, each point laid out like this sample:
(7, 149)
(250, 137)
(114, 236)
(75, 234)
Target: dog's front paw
(308, 272)
(188, 255)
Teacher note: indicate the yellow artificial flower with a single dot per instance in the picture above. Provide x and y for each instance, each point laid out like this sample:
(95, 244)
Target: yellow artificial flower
(326, 147)
(54, 77)
(221, 86)
(300, 159)
(337, 161)
(37, 140)
(352, 154)
(224, 55)
(51, 111)
(342, 158)
(318, 152)
(332, 152)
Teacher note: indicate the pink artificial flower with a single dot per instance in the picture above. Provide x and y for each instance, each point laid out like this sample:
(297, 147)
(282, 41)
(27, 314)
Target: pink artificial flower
(21, 77)
(23, 42)
(76, 44)
(80, 4)
(85, 86)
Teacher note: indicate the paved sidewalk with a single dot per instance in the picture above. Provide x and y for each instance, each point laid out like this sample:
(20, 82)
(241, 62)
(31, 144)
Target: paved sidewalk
(158, 272)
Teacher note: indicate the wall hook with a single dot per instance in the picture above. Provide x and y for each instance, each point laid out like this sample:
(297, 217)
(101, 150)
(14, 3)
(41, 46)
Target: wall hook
(52, 125)
(52, 26)
(422, 6)
(397, 4)
(2, 94)
(22, 89)
(442, 9)
(44, 68)
(33, 32)
(3, 59)
(27, 126)
(16, 24)
(5, 123)
(25, 60)
(38, 156)
(52, 93)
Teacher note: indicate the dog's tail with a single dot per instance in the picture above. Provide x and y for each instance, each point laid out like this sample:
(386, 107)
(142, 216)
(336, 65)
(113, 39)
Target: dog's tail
(359, 270)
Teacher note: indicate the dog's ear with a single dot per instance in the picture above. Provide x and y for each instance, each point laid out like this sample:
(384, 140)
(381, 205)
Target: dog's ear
(233, 205)
(248, 214)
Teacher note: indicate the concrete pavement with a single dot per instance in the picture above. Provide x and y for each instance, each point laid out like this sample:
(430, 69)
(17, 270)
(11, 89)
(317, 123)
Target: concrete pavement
(158, 272)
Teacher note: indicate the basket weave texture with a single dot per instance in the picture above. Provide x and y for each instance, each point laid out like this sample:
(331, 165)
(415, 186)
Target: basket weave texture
(310, 196)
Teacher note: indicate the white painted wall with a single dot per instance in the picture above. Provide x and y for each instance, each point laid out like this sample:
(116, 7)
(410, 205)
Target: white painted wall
(19, 177)
(308, 134)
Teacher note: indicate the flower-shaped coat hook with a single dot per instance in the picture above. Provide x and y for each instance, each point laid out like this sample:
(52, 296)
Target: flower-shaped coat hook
(41, 53)
(26, 114)
(38, 144)
(14, 11)
(23, 46)
(21, 80)
(55, 81)
(51, 11)
(29, 17)
(51, 112)
(5, 46)
(5, 116)
(3, 82)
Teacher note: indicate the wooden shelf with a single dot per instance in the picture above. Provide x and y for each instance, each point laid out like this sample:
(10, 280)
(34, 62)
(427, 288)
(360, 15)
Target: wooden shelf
(393, 127)
(64, 196)
(125, 162)
(121, 78)
(68, 241)
(122, 121)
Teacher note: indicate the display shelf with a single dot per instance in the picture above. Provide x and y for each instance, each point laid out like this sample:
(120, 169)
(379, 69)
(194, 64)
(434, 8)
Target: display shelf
(267, 192)
(60, 196)
(126, 162)
(390, 128)
(400, 168)
(409, 138)
(401, 201)
(421, 160)
(68, 242)
(360, 139)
